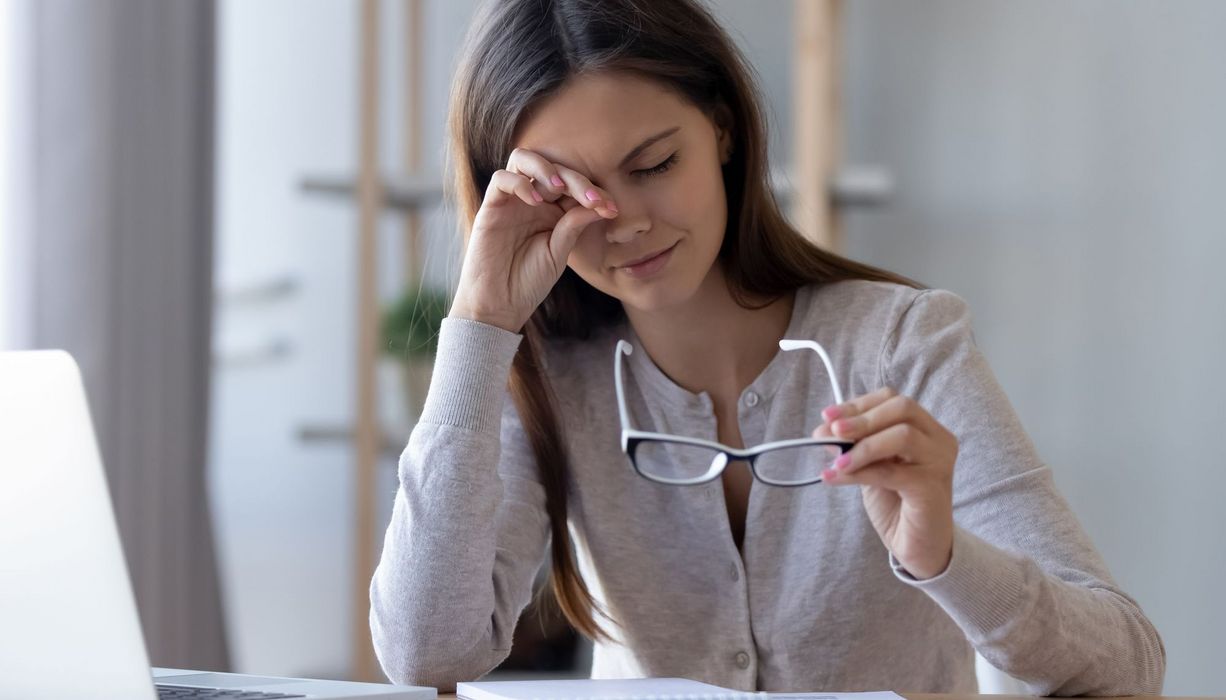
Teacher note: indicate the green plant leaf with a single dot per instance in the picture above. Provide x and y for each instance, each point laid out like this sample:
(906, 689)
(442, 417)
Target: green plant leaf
(411, 324)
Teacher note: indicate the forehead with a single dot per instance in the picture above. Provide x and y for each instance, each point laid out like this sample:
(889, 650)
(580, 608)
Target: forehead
(593, 121)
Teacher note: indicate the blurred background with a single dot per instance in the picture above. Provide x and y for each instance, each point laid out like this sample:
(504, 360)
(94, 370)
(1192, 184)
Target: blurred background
(231, 214)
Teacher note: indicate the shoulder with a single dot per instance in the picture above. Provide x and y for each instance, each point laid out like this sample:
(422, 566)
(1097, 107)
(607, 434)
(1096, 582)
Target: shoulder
(878, 302)
(868, 321)
(864, 306)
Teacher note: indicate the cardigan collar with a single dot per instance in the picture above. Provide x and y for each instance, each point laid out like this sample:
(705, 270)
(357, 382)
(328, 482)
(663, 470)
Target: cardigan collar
(657, 386)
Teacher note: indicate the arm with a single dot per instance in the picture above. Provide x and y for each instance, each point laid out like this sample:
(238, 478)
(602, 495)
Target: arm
(468, 528)
(1024, 581)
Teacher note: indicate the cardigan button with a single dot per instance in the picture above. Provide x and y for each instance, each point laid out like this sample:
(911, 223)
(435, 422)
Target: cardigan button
(742, 659)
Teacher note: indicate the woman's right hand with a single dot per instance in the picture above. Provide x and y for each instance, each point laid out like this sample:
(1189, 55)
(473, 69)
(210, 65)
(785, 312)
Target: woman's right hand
(529, 221)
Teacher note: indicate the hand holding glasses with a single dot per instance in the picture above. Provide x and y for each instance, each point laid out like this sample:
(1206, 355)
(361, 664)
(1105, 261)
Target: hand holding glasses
(683, 461)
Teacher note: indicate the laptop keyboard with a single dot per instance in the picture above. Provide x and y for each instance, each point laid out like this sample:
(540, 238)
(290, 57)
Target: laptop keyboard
(183, 692)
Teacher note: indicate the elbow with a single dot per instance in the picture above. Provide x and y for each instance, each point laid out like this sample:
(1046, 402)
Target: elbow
(1153, 665)
(1136, 669)
(409, 658)
(413, 650)
(1147, 658)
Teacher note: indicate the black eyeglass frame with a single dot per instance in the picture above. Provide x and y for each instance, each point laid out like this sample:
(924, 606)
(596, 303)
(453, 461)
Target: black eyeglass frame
(632, 439)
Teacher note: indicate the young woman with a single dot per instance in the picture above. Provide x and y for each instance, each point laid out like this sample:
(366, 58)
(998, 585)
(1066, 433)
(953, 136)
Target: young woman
(611, 171)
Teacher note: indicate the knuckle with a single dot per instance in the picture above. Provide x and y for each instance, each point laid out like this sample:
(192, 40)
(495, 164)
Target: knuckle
(904, 405)
(889, 391)
(865, 452)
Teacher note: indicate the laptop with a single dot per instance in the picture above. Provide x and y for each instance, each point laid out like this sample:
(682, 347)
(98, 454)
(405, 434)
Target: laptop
(68, 619)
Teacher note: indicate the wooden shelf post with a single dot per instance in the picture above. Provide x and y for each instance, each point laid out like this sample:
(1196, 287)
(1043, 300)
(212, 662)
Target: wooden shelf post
(817, 117)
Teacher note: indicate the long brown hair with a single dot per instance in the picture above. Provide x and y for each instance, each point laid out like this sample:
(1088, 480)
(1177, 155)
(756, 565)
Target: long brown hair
(519, 51)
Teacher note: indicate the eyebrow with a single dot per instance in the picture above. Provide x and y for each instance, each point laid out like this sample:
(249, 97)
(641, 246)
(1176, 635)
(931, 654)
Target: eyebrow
(646, 143)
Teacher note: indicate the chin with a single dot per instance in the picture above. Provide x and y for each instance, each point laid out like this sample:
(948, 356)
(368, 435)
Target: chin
(660, 294)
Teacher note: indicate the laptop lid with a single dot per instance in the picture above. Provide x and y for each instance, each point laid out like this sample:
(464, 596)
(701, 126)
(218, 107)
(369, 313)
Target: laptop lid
(70, 625)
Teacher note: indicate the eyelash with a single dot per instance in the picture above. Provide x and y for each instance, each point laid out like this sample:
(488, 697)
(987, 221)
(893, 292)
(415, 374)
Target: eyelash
(659, 169)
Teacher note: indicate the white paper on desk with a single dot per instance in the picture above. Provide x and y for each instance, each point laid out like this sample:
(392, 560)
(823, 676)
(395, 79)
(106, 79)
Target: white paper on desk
(601, 689)
(635, 689)
(876, 695)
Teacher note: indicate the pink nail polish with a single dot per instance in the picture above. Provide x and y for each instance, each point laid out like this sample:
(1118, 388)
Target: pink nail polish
(829, 475)
(843, 460)
(831, 412)
(593, 195)
(557, 181)
(537, 196)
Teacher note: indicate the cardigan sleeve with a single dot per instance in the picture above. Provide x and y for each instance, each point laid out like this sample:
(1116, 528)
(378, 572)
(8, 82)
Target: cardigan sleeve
(1025, 583)
(468, 529)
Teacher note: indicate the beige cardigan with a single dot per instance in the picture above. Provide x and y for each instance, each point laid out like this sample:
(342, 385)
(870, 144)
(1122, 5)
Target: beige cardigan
(811, 602)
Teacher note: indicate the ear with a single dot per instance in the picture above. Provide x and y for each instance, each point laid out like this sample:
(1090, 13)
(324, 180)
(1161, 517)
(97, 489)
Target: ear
(722, 118)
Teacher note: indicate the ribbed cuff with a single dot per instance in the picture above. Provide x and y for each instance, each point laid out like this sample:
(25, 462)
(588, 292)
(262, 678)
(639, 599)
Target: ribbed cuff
(470, 375)
(981, 589)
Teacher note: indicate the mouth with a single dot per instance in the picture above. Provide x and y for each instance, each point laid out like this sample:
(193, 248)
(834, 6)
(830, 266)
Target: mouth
(649, 264)
(647, 258)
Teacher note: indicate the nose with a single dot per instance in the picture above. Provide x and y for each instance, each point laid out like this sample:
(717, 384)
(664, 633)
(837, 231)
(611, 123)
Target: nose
(632, 220)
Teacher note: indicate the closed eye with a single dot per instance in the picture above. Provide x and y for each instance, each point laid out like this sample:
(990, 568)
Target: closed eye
(657, 169)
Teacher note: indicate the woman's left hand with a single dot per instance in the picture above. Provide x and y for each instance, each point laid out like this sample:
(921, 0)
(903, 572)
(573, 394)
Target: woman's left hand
(903, 461)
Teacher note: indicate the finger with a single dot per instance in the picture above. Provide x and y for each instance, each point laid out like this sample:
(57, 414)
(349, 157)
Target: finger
(858, 405)
(506, 185)
(567, 231)
(822, 431)
(544, 175)
(893, 476)
(894, 410)
(584, 192)
(901, 443)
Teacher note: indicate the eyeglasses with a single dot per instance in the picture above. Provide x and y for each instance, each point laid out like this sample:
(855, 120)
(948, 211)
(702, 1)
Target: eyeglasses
(684, 461)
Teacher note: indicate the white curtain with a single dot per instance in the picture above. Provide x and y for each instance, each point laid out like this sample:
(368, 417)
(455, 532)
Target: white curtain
(112, 196)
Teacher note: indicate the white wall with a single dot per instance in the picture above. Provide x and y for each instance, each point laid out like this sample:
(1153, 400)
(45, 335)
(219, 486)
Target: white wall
(285, 74)
(1060, 165)
(287, 108)
(15, 177)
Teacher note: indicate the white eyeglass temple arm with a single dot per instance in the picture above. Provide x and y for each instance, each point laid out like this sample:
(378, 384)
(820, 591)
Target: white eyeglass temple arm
(626, 348)
(812, 345)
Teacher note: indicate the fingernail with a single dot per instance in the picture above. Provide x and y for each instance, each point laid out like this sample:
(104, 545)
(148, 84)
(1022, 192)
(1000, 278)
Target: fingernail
(841, 427)
(537, 196)
(832, 412)
(829, 475)
(593, 195)
(557, 181)
(843, 460)
(611, 207)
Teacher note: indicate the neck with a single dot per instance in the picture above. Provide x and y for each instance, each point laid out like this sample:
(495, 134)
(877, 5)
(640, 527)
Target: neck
(710, 343)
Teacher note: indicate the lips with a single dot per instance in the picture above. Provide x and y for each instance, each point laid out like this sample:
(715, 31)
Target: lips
(645, 258)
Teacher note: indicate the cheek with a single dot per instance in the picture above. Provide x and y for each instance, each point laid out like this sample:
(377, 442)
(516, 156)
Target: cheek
(694, 201)
(587, 255)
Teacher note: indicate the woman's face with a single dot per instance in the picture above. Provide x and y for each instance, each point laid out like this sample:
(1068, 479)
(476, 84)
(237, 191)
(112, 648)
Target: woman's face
(670, 193)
